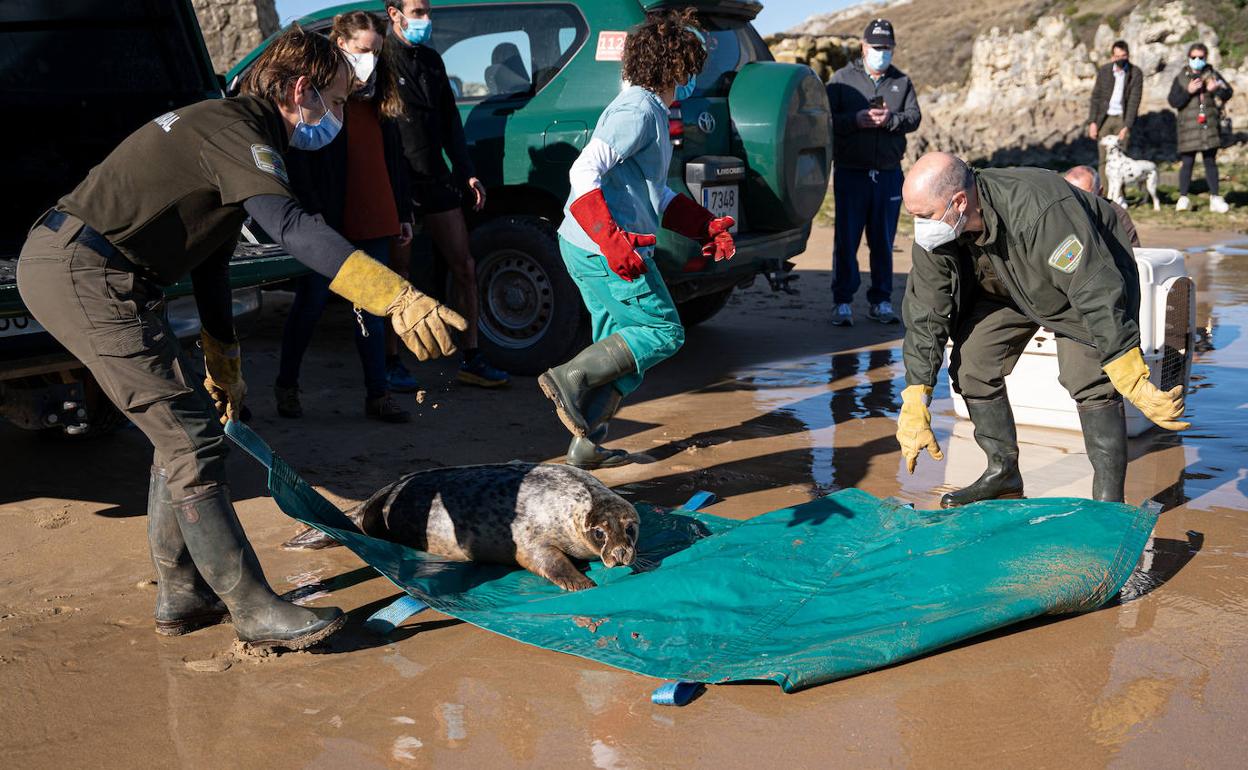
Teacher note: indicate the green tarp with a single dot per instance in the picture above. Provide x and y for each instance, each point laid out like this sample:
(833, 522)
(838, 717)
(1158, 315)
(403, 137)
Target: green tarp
(804, 595)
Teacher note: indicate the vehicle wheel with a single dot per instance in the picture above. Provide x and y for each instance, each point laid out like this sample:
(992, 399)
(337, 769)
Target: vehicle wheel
(695, 311)
(104, 418)
(531, 310)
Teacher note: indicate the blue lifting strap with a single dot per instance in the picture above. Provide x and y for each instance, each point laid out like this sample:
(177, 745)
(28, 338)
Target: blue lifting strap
(699, 501)
(677, 693)
(390, 617)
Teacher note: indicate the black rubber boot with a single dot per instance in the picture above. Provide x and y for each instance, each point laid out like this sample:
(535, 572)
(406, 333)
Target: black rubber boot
(225, 558)
(184, 602)
(1105, 436)
(587, 453)
(996, 435)
(569, 385)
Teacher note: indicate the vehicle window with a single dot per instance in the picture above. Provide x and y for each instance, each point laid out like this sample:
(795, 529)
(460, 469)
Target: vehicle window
(723, 59)
(511, 49)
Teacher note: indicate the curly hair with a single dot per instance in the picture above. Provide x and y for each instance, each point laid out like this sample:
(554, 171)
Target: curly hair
(664, 50)
(389, 101)
(293, 54)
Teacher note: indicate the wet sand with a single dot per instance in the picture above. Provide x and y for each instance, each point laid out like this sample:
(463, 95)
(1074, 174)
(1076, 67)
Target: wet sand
(768, 405)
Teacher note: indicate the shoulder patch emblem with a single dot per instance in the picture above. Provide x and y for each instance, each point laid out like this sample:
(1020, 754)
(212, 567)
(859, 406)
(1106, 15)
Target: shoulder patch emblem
(1067, 255)
(269, 161)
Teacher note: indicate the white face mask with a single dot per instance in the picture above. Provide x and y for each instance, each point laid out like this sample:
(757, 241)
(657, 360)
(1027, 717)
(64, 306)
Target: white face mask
(363, 64)
(931, 233)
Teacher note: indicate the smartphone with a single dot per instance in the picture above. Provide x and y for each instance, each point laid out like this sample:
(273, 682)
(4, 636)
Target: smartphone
(877, 103)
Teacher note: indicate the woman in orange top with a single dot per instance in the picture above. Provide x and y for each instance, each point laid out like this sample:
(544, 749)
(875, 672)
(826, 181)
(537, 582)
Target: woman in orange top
(359, 184)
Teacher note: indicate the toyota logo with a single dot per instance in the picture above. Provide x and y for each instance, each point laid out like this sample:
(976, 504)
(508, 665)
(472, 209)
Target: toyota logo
(706, 122)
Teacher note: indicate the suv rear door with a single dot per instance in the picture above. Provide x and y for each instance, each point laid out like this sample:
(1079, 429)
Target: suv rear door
(77, 77)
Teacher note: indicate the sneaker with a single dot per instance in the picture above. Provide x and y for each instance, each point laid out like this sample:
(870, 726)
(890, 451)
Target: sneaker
(480, 372)
(1183, 204)
(843, 315)
(1218, 205)
(386, 409)
(400, 380)
(288, 401)
(882, 312)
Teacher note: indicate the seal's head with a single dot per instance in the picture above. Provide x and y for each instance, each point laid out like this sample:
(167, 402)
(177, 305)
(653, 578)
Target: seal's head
(611, 529)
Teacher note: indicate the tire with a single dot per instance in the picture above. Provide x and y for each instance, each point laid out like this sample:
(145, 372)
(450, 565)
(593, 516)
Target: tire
(695, 311)
(531, 311)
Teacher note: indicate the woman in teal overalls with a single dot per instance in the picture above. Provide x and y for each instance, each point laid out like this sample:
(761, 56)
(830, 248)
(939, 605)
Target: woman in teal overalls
(618, 201)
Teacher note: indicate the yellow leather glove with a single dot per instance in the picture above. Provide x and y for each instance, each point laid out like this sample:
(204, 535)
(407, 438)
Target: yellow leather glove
(1130, 378)
(420, 321)
(914, 426)
(224, 369)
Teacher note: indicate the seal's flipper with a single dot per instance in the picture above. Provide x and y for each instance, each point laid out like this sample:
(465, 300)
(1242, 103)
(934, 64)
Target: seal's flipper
(554, 565)
(310, 539)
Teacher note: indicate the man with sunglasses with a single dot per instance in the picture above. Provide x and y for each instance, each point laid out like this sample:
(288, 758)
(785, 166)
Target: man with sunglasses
(999, 253)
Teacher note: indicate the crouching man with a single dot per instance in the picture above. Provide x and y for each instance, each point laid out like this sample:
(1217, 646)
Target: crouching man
(998, 254)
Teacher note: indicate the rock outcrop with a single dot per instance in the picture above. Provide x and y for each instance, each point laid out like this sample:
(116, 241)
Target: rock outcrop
(1025, 98)
(232, 28)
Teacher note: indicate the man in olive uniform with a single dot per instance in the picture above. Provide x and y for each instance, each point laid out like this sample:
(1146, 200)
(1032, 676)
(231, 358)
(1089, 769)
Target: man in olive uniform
(999, 253)
(170, 199)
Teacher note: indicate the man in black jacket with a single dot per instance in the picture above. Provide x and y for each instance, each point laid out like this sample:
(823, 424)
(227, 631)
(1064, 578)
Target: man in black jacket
(1115, 100)
(431, 128)
(873, 107)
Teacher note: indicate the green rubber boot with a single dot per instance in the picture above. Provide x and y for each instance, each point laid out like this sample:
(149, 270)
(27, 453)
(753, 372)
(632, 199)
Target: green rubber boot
(184, 602)
(587, 453)
(568, 385)
(996, 435)
(220, 549)
(1105, 436)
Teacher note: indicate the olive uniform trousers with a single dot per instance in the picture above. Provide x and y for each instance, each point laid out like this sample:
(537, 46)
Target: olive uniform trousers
(993, 333)
(112, 321)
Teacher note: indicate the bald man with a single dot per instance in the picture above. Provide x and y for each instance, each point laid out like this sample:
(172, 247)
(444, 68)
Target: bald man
(1086, 179)
(999, 253)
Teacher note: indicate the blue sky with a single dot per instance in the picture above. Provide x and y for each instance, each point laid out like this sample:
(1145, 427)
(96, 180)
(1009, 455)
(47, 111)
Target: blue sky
(777, 15)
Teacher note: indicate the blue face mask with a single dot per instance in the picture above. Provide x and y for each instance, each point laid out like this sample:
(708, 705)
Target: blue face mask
(317, 135)
(417, 31)
(685, 90)
(1196, 64)
(877, 60)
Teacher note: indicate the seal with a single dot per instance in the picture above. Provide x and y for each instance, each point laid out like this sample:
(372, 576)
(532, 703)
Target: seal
(537, 516)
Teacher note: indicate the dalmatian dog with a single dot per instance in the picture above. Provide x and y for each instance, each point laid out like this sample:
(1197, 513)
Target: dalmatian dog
(1122, 171)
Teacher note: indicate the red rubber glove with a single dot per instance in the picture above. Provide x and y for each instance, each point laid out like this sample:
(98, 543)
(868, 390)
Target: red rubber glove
(686, 217)
(619, 247)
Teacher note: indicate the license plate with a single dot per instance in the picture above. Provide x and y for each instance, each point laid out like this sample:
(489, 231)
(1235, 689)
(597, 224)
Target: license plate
(19, 325)
(722, 201)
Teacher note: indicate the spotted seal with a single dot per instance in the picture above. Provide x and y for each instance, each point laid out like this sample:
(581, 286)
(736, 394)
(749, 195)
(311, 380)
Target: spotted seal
(537, 516)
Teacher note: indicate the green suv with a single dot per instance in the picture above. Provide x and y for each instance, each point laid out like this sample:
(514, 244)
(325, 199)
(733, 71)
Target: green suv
(754, 141)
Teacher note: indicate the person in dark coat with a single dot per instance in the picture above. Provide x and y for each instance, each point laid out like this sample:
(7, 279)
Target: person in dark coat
(1195, 95)
(1116, 99)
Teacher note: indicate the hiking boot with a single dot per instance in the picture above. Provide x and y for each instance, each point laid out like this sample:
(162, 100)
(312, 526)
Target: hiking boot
(386, 409)
(480, 372)
(184, 602)
(1218, 204)
(400, 380)
(882, 312)
(996, 435)
(601, 405)
(220, 550)
(288, 401)
(843, 315)
(1105, 437)
(568, 385)
(1183, 203)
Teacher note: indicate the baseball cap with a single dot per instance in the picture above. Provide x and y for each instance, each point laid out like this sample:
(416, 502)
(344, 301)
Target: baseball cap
(879, 32)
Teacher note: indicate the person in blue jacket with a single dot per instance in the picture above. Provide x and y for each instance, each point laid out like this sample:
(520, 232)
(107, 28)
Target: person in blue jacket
(618, 201)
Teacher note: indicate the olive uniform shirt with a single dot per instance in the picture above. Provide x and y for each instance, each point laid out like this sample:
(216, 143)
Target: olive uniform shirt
(170, 196)
(1058, 253)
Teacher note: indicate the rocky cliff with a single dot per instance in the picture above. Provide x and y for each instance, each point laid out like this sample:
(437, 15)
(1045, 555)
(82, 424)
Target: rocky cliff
(232, 28)
(1024, 91)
